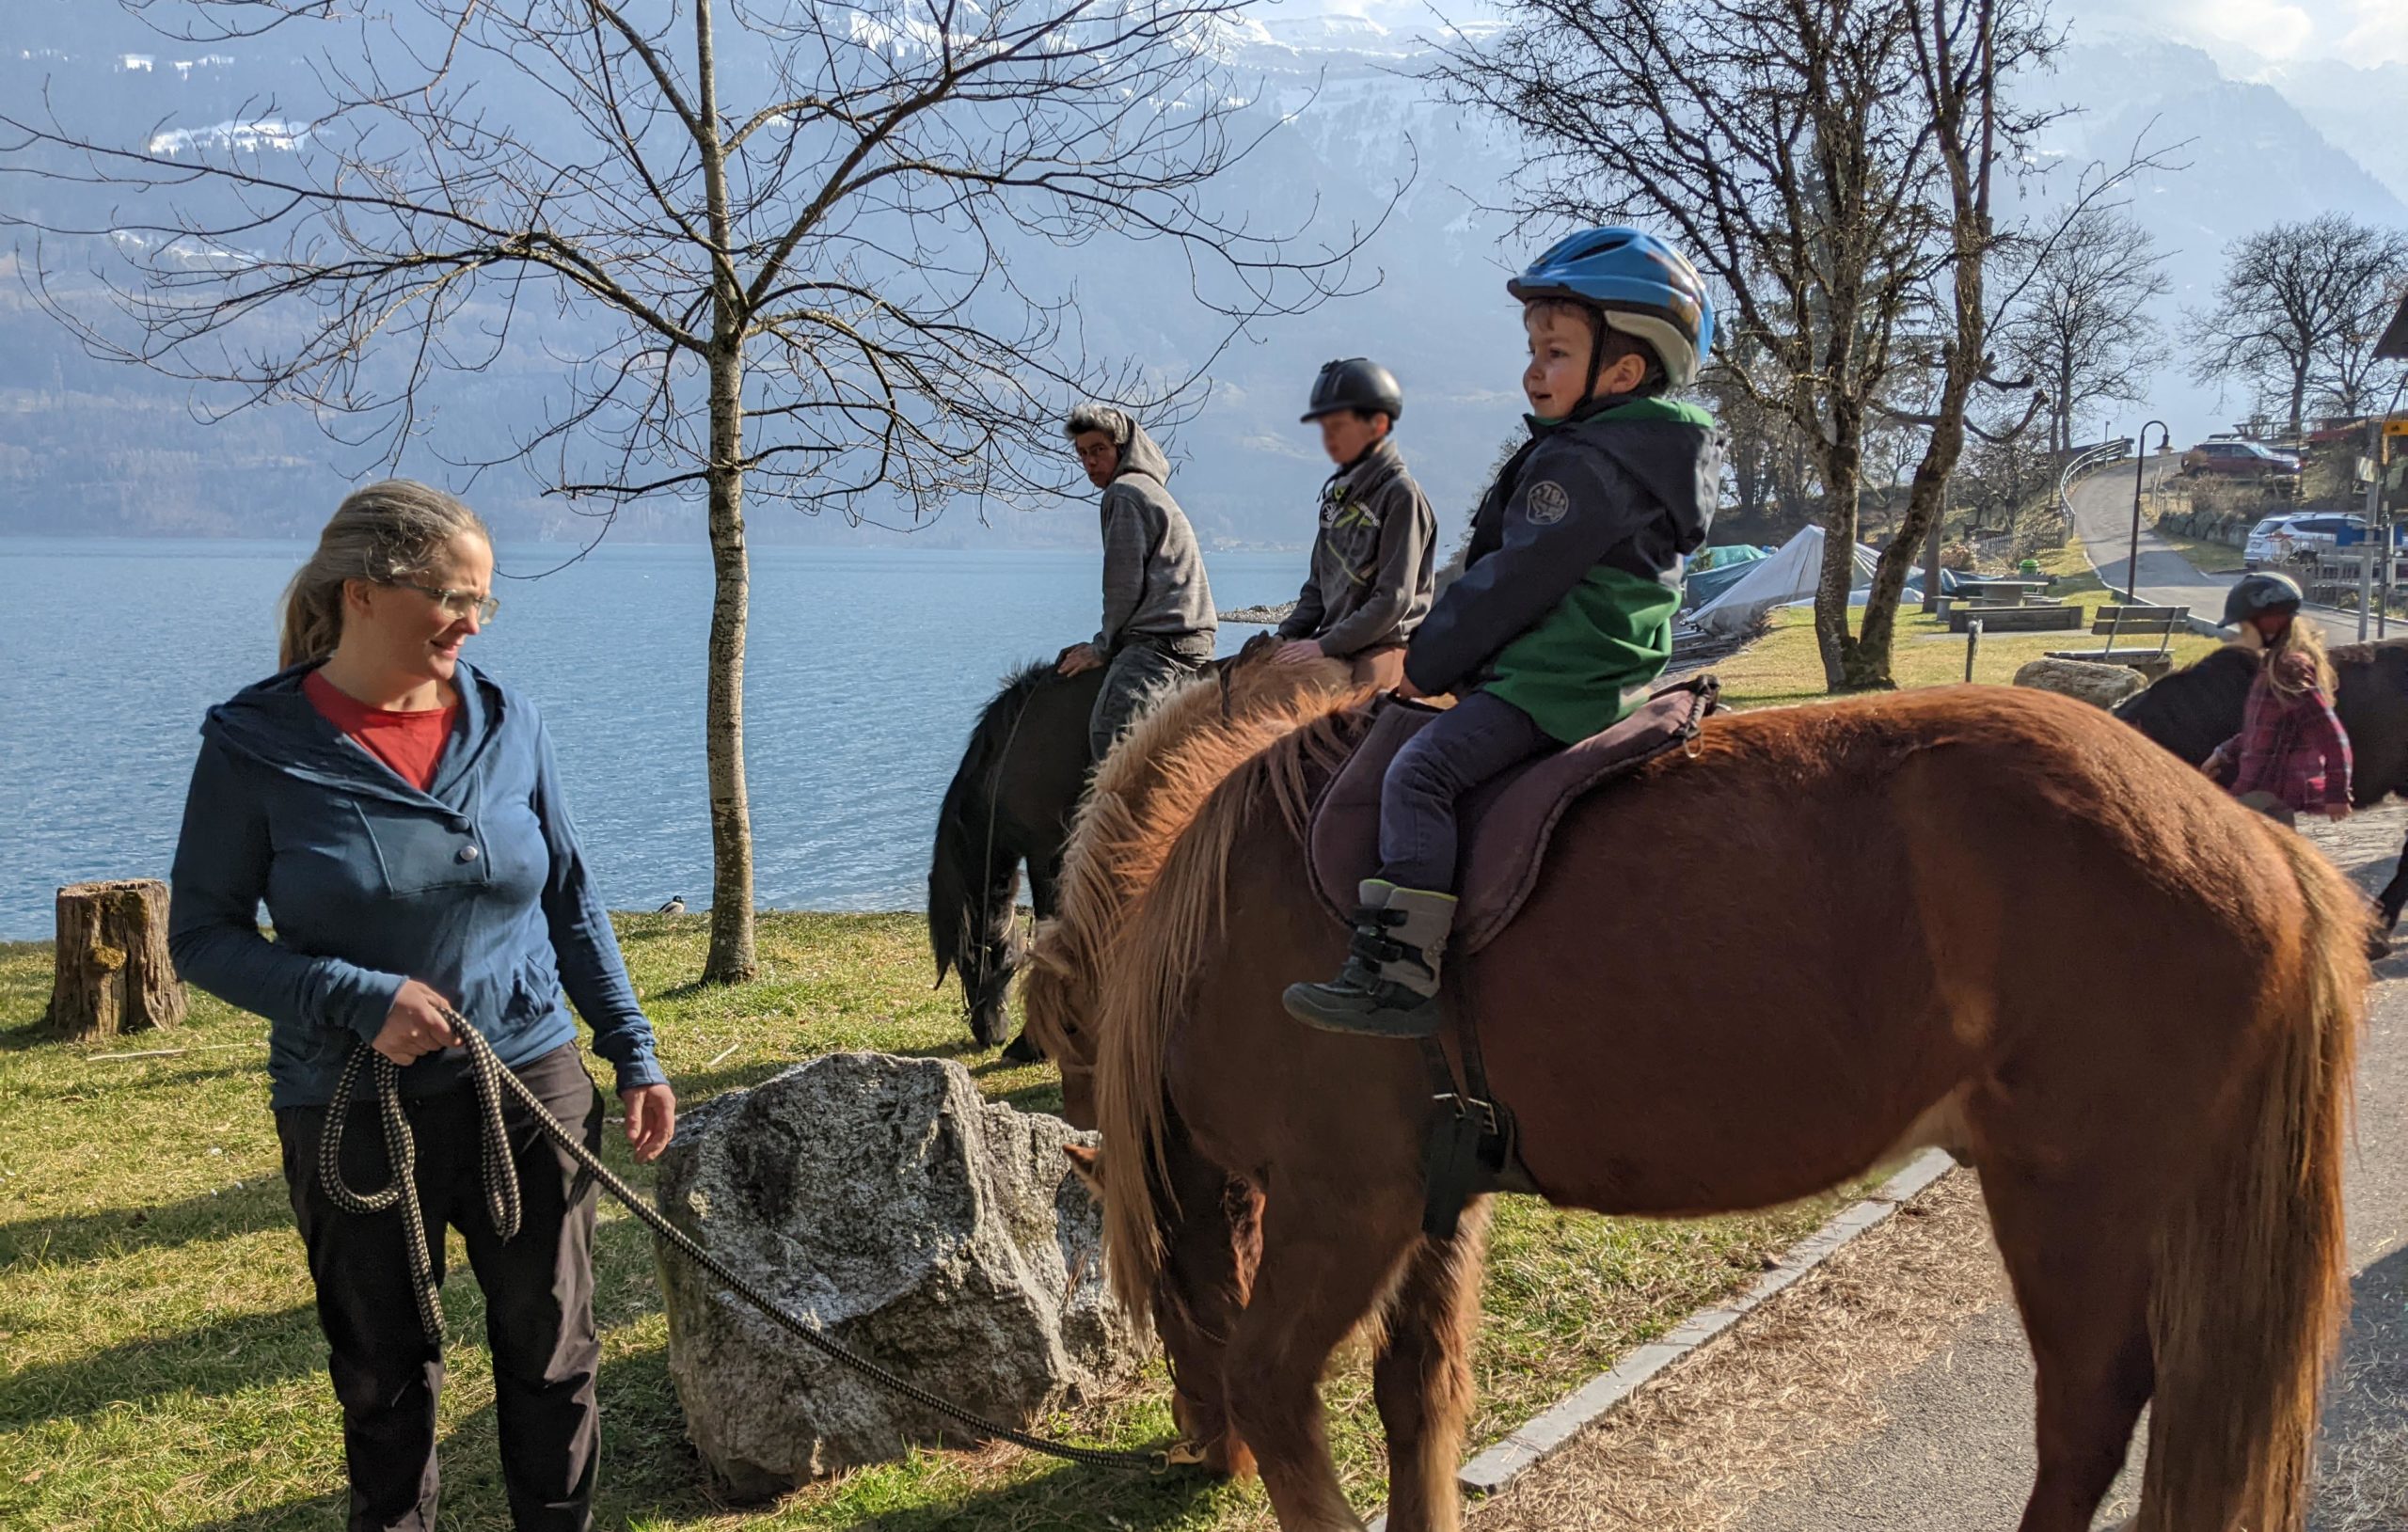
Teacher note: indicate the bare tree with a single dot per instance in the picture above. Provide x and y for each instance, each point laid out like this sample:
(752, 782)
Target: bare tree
(764, 249)
(1828, 163)
(2290, 315)
(1771, 474)
(2081, 327)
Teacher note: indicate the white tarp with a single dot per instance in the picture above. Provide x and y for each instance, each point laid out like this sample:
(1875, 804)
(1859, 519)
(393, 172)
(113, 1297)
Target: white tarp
(1789, 575)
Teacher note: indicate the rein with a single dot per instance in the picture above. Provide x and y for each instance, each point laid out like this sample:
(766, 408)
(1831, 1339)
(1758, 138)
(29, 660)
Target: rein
(492, 1080)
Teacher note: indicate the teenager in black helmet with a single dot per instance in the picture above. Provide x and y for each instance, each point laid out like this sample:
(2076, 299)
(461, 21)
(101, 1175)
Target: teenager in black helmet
(1370, 580)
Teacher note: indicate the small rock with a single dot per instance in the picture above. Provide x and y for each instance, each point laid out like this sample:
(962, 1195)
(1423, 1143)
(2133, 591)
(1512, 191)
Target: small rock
(1262, 616)
(934, 1233)
(2101, 686)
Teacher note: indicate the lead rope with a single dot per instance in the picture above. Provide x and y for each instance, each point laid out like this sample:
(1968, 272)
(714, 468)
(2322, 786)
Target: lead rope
(492, 1078)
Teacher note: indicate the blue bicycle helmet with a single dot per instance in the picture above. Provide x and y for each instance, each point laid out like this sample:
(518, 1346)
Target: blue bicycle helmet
(1642, 287)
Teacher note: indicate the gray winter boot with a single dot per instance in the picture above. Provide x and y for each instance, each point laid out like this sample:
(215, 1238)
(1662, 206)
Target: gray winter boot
(1389, 986)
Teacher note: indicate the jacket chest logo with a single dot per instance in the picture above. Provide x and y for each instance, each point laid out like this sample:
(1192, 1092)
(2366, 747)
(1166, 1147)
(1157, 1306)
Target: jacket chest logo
(1547, 503)
(1339, 509)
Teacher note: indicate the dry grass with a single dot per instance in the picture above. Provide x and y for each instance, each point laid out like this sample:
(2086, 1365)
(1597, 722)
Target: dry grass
(1694, 1450)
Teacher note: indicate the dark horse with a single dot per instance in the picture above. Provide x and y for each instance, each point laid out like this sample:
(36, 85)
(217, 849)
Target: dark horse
(1708, 1028)
(2199, 708)
(1009, 807)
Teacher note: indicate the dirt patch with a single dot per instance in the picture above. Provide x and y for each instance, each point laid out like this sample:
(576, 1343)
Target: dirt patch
(1694, 1450)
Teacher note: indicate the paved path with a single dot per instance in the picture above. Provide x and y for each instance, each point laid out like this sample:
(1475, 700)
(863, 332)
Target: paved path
(1955, 1452)
(2103, 516)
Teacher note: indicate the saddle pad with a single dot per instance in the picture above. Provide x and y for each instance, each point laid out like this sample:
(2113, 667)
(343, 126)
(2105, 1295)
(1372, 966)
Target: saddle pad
(1506, 825)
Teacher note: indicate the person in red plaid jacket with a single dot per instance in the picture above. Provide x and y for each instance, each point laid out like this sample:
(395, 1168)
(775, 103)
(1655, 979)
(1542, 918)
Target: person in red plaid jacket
(2292, 755)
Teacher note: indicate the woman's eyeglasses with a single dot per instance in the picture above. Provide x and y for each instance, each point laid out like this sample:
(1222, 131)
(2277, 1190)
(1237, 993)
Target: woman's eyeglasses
(457, 603)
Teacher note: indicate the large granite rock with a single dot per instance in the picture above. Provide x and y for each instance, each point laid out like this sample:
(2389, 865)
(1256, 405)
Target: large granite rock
(2101, 686)
(923, 1227)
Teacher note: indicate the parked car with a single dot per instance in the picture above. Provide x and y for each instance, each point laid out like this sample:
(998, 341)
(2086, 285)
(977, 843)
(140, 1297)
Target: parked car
(2240, 459)
(2280, 540)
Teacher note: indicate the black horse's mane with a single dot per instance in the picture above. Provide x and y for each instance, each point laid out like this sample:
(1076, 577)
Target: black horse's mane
(958, 870)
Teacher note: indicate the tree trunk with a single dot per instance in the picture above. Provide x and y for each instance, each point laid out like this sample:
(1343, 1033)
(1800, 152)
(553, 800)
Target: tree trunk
(111, 969)
(731, 959)
(1843, 478)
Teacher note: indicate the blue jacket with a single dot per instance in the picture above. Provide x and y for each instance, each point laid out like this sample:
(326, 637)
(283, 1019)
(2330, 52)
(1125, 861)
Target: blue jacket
(476, 888)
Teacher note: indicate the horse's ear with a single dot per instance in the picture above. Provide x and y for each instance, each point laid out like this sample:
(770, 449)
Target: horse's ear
(1087, 1165)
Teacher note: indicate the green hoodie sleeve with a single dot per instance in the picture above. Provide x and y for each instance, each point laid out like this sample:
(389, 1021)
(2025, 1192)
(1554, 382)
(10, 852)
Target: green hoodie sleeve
(214, 916)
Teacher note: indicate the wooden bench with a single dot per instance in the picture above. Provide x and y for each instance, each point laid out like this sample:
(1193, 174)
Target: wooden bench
(2143, 621)
(2004, 619)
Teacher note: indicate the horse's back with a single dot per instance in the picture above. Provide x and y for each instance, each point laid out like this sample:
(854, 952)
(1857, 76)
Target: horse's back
(1837, 920)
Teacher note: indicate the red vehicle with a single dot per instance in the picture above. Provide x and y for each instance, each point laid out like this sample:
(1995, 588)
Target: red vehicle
(2240, 459)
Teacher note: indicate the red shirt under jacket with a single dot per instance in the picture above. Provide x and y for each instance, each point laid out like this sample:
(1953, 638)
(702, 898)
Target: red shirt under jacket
(410, 743)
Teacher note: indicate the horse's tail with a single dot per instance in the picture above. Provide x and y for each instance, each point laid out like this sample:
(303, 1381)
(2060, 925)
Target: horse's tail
(973, 890)
(2251, 1280)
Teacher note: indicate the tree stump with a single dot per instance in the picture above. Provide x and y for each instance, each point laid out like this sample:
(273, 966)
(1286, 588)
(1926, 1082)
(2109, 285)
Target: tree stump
(112, 973)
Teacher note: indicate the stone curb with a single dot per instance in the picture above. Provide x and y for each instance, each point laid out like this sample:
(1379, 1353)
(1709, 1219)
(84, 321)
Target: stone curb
(1553, 1429)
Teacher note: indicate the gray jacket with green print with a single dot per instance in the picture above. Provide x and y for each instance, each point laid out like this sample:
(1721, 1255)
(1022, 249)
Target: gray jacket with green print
(1371, 582)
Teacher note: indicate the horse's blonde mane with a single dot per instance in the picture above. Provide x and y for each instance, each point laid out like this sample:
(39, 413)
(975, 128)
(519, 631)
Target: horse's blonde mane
(1144, 793)
(1272, 763)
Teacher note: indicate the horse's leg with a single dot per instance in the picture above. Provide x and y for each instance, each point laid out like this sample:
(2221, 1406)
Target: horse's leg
(2395, 894)
(1044, 893)
(1329, 1250)
(2080, 1262)
(1421, 1378)
(1213, 1252)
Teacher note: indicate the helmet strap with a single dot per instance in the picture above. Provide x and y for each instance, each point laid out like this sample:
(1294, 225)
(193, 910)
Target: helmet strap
(1597, 355)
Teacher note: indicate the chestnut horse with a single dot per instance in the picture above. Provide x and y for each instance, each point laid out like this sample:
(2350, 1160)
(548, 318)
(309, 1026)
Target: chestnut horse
(1988, 918)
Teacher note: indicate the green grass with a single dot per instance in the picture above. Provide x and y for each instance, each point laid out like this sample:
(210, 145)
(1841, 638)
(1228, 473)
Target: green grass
(160, 1365)
(1785, 666)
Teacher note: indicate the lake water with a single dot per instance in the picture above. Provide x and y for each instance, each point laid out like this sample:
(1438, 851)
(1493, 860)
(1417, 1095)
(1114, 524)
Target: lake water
(865, 671)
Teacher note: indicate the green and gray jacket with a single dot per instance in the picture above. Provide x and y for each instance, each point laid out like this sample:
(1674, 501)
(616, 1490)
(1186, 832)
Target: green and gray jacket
(1154, 589)
(1565, 605)
(1370, 583)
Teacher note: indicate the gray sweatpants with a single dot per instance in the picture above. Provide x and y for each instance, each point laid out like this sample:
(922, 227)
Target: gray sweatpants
(1139, 674)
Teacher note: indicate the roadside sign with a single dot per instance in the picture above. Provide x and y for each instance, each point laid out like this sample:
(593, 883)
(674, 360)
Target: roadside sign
(2396, 426)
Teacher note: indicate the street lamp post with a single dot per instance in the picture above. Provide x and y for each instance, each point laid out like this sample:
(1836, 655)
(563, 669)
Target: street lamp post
(2140, 472)
(2133, 558)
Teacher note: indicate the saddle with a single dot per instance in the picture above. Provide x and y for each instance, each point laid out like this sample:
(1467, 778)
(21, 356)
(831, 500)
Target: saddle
(1506, 825)
(1469, 1146)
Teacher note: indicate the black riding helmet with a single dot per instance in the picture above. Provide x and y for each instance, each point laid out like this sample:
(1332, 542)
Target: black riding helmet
(1357, 384)
(2262, 591)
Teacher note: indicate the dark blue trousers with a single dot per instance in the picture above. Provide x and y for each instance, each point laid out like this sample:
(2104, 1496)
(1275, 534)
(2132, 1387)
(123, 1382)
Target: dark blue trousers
(1473, 741)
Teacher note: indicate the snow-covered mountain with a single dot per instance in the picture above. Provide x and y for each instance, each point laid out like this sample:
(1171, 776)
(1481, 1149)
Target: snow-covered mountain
(88, 447)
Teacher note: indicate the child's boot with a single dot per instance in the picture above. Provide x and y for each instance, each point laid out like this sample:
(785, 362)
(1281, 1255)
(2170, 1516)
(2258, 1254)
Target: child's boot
(1389, 986)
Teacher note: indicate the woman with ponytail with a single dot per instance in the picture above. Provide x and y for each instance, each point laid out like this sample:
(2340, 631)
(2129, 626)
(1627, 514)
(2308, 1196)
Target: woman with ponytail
(399, 813)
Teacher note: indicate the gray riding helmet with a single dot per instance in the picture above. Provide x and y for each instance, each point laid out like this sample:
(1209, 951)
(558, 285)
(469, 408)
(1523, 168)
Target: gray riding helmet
(2260, 591)
(1358, 384)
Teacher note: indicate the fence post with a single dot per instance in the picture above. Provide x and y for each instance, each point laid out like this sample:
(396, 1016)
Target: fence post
(1972, 642)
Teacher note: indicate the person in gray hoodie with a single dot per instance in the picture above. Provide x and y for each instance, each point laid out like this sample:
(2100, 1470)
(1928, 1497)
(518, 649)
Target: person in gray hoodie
(1158, 623)
(1371, 583)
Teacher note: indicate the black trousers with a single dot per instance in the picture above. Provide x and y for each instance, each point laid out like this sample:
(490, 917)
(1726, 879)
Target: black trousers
(539, 1300)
